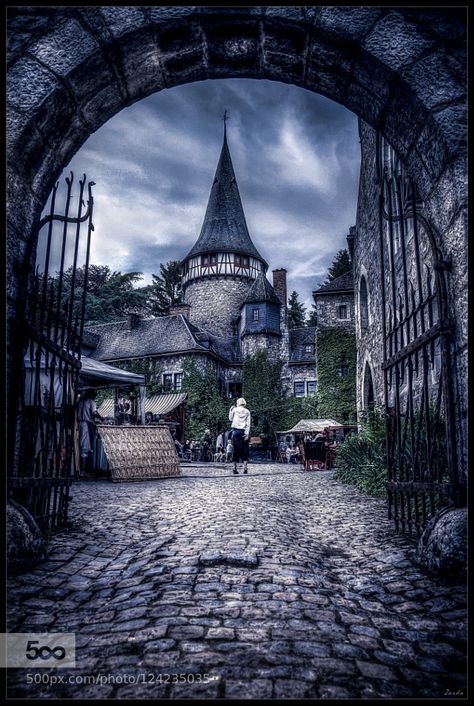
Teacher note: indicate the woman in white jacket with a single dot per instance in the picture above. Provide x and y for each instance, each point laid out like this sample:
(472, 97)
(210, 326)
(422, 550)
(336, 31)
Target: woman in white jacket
(239, 417)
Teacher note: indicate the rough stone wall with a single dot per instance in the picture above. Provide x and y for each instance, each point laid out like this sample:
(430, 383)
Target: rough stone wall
(366, 262)
(215, 303)
(327, 310)
(261, 341)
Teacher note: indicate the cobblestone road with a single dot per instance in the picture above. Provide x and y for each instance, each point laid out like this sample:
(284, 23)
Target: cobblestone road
(279, 584)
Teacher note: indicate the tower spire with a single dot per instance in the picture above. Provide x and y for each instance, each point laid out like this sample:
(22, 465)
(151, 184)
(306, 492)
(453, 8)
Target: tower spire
(225, 118)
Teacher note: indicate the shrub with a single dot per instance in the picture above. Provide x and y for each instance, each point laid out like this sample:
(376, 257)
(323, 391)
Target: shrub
(361, 460)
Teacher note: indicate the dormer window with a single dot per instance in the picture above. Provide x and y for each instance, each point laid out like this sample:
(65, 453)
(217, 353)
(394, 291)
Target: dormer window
(255, 314)
(309, 348)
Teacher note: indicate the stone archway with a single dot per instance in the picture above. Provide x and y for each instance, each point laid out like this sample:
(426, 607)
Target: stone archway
(403, 71)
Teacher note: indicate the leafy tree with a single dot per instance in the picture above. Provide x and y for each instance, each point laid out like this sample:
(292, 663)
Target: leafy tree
(165, 291)
(341, 264)
(109, 295)
(205, 407)
(296, 311)
(264, 393)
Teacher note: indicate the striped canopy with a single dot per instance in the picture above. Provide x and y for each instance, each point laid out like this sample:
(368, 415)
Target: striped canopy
(157, 404)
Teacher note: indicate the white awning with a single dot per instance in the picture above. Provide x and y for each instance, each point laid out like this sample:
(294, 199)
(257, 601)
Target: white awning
(311, 425)
(92, 369)
(157, 404)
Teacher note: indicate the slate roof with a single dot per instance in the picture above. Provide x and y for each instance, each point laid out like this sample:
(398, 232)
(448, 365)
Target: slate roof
(161, 336)
(299, 339)
(165, 334)
(262, 291)
(342, 283)
(224, 228)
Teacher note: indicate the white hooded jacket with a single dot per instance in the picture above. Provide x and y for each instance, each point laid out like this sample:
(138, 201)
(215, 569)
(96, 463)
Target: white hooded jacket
(240, 418)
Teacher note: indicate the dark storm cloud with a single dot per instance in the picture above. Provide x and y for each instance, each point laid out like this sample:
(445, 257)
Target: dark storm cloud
(296, 157)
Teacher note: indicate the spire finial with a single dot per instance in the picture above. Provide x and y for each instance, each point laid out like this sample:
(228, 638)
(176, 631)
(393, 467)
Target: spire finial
(225, 118)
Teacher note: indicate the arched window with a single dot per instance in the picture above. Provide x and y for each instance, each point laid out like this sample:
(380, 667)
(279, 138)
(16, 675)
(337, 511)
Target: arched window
(368, 389)
(363, 304)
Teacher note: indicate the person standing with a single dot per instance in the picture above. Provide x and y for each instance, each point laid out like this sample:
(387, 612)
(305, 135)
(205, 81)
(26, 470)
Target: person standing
(86, 414)
(220, 446)
(239, 417)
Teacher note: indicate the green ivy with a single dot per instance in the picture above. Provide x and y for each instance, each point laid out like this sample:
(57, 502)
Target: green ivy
(205, 407)
(336, 394)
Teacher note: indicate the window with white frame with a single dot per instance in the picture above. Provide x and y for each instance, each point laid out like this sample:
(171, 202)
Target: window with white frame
(178, 381)
(311, 387)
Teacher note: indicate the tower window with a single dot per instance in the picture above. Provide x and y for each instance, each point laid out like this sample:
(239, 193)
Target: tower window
(342, 311)
(245, 261)
(309, 348)
(363, 304)
(213, 259)
(255, 314)
(205, 260)
(237, 260)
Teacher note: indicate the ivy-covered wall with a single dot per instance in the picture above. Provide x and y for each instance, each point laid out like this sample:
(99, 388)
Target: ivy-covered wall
(336, 362)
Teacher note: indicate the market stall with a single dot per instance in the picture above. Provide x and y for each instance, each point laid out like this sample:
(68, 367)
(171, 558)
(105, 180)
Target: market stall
(315, 440)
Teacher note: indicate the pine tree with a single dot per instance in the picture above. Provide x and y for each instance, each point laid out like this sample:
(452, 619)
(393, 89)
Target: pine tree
(296, 311)
(341, 264)
(312, 319)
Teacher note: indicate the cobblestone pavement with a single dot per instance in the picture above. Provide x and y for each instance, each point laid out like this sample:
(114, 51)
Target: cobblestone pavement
(280, 584)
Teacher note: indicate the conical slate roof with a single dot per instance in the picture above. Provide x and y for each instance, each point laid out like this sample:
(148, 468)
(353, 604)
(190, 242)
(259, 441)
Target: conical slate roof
(262, 291)
(224, 228)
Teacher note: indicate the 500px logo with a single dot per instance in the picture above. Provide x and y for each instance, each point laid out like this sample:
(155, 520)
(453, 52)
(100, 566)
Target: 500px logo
(39, 649)
(44, 652)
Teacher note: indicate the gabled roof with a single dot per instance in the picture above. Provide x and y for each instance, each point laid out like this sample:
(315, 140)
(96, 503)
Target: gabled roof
(299, 339)
(343, 283)
(224, 228)
(161, 336)
(165, 334)
(262, 291)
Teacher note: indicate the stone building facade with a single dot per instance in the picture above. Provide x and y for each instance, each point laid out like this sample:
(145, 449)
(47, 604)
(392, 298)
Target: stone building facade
(230, 309)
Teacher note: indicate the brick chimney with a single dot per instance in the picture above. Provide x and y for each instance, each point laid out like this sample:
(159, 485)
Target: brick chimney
(350, 237)
(180, 309)
(133, 320)
(279, 285)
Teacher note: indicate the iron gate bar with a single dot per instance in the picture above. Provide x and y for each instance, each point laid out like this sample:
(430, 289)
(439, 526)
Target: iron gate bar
(421, 458)
(52, 331)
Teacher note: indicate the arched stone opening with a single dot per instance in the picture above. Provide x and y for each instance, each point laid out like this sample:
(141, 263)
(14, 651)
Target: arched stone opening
(401, 70)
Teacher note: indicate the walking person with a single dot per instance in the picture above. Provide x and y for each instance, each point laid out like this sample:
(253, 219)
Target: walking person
(239, 417)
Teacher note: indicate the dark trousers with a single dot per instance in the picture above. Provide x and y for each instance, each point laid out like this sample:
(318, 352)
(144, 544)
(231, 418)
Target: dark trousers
(241, 447)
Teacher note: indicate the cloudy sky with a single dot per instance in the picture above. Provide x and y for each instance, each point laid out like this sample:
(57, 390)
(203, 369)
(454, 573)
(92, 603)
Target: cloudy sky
(296, 156)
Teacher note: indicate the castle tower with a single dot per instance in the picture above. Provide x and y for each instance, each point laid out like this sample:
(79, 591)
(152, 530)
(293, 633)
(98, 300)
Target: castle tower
(260, 320)
(220, 268)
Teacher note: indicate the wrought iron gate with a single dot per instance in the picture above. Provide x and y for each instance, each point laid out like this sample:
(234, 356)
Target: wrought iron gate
(52, 328)
(420, 434)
